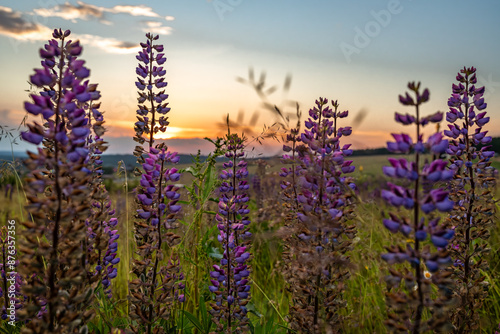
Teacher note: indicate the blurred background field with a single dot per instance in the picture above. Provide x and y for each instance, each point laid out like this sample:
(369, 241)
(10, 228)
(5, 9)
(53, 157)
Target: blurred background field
(365, 293)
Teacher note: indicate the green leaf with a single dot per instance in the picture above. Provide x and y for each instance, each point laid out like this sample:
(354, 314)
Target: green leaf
(217, 256)
(251, 308)
(191, 192)
(193, 320)
(183, 222)
(252, 328)
(270, 325)
(287, 328)
(205, 239)
(190, 170)
(209, 183)
(207, 321)
(93, 328)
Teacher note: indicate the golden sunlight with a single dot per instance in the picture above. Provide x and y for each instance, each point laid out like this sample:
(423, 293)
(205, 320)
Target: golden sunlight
(171, 132)
(181, 132)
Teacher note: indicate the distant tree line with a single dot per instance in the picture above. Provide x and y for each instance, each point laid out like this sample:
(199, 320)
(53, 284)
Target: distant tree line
(495, 146)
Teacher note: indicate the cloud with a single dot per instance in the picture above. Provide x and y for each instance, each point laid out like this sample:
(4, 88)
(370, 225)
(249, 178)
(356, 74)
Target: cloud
(156, 27)
(71, 12)
(141, 10)
(11, 118)
(12, 24)
(84, 11)
(107, 44)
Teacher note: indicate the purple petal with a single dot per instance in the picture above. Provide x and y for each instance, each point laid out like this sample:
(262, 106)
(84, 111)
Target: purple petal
(432, 266)
(439, 241)
(31, 137)
(81, 132)
(445, 205)
(391, 225)
(420, 235)
(175, 208)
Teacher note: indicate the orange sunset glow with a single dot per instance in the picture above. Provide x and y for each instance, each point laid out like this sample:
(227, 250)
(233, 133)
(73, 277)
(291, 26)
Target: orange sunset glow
(209, 54)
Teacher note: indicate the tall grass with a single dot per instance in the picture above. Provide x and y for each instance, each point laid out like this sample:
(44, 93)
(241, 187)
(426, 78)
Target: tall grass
(365, 292)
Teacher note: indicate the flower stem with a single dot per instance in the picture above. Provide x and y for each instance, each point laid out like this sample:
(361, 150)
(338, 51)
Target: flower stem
(57, 221)
(416, 208)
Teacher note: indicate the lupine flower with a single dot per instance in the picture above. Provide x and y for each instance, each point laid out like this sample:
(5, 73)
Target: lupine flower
(419, 198)
(101, 224)
(157, 202)
(152, 110)
(318, 193)
(229, 280)
(472, 214)
(57, 192)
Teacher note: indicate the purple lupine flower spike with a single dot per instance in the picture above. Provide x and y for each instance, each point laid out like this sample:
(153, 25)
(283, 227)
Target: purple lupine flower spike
(102, 236)
(157, 200)
(57, 192)
(419, 199)
(229, 280)
(471, 196)
(317, 192)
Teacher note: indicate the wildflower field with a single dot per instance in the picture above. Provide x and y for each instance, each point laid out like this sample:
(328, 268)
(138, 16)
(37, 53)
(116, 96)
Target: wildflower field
(317, 240)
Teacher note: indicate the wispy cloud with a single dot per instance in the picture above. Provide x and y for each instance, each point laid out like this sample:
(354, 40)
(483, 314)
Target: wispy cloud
(13, 24)
(107, 44)
(141, 10)
(84, 11)
(11, 118)
(156, 27)
(68, 11)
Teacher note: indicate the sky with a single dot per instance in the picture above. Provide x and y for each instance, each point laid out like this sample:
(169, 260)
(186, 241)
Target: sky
(361, 53)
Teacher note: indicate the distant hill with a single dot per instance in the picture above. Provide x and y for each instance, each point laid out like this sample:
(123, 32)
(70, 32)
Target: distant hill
(107, 159)
(7, 155)
(371, 151)
(130, 159)
(495, 146)
(112, 160)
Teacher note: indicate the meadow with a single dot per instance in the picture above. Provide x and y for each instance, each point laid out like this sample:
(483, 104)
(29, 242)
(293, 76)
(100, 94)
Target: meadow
(317, 240)
(365, 293)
